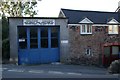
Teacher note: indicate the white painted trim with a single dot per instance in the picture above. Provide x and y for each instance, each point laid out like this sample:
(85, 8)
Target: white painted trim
(92, 25)
(86, 20)
(113, 21)
(74, 24)
(112, 33)
(62, 13)
(86, 31)
(100, 25)
(89, 52)
(117, 9)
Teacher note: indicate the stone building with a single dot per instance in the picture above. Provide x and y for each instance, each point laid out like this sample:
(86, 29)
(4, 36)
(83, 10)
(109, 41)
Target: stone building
(75, 37)
(94, 36)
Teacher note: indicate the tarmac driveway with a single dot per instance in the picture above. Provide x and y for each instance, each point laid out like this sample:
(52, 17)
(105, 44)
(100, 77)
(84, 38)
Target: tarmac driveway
(54, 71)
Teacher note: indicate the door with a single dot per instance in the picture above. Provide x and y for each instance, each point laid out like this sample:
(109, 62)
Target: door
(111, 53)
(38, 44)
(22, 45)
(106, 55)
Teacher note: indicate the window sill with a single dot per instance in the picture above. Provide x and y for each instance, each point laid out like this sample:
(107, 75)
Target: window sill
(113, 33)
(86, 33)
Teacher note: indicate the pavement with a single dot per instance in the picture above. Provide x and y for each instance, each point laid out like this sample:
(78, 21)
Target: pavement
(55, 71)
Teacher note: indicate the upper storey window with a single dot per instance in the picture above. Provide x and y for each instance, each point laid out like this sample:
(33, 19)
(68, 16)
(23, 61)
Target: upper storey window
(86, 29)
(86, 26)
(113, 27)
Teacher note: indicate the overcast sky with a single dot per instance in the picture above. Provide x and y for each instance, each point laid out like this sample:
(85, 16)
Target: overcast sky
(51, 8)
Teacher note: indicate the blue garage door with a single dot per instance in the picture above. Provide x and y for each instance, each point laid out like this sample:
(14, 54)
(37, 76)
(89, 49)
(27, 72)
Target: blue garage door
(38, 45)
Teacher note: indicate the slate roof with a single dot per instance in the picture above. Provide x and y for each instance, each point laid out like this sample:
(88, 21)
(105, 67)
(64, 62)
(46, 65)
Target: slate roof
(97, 17)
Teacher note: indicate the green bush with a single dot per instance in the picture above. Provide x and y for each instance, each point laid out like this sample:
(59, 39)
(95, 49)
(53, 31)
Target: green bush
(114, 67)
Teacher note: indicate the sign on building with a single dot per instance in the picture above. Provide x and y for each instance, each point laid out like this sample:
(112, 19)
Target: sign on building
(38, 22)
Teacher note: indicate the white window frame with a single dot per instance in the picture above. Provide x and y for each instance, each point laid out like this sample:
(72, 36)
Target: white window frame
(81, 29)
(88, 51)
(113, 29)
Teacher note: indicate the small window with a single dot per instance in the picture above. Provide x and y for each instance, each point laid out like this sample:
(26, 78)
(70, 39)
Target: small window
(54, 31)
(113, 29)
(33, 37)
(54, 42)
(115, 50)
(44, 32)
(44, 37)
(44, 43)
(88, 52)
(98, 29)
(86, 29)
(54, 37)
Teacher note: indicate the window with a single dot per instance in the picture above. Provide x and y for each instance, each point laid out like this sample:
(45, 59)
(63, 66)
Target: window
(22, 33)
(44, 37)
(33, 37)
(86, 29)
(54, 37)
(88, 51)
(44, 43)
(98, 29)
(115, 50)
(113, 29)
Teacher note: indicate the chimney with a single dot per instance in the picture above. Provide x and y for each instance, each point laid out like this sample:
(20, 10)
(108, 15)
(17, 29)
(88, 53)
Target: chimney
(118, 9)
(119, 4)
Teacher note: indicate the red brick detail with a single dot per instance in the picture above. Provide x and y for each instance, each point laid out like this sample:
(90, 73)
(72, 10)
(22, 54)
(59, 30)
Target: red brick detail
(93, 29)
(78, 29)
(107, 29)
(112, 44)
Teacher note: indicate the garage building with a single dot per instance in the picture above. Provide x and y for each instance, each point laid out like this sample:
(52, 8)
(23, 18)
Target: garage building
(35, 40)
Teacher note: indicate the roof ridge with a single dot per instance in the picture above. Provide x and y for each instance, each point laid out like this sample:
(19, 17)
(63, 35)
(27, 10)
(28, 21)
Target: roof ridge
(96, 17)
(88, 11)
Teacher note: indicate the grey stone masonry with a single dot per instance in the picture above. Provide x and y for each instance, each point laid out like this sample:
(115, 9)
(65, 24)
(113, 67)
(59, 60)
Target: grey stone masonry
(80, 42)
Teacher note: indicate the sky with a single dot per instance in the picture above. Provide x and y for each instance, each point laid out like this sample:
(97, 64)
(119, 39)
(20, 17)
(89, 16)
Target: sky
(51, 8)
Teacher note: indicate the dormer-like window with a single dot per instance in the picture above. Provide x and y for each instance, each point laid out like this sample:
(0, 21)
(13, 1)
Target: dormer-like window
(113, 29)
(86, 26)
(86, 29)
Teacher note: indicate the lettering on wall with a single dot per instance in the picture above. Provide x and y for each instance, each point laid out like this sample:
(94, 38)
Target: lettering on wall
(38, 22)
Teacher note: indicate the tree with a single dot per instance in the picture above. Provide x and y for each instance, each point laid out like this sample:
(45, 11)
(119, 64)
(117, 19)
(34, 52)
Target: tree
(18, 8)
(13, 9)
(5, 30)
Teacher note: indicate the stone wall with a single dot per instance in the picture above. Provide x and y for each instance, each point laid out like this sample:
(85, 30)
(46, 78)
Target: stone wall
(80, 42)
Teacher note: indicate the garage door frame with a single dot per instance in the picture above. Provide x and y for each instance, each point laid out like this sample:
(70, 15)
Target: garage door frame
(40, 55)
